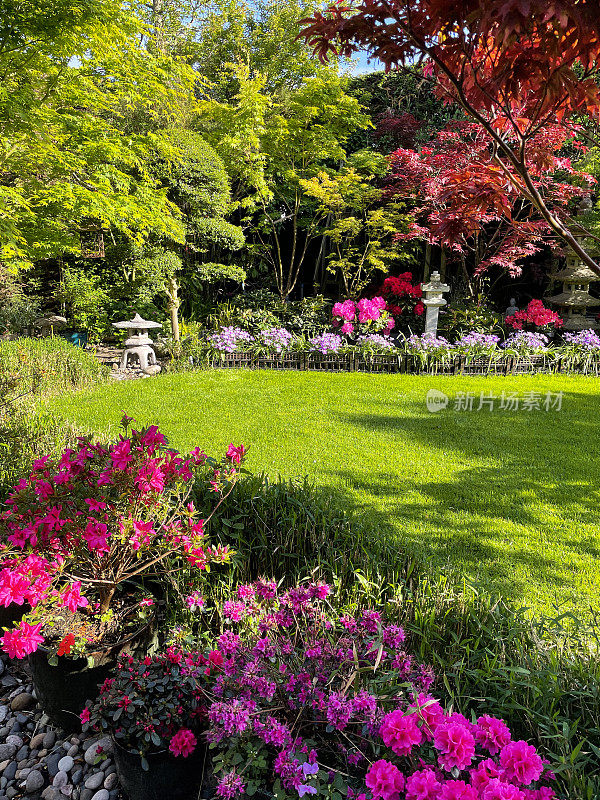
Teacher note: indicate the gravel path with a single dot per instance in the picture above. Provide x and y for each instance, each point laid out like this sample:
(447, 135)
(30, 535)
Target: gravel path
(38, 760)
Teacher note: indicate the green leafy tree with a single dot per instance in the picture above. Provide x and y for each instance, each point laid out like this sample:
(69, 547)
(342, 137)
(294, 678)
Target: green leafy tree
(360, 226)
(271, 144)
(80, 100)
(197, 183)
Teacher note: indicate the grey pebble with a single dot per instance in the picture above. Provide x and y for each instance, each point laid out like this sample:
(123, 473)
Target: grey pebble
(23, 719)
(110, 781)
(60, 779)
(95, 780)
(86, 794)
(7, 751)
(9, 772)
(50, 793)
(3, 782)
(101, 795)
(73, 750)
(52, 763)
(16, 740)
(66, 764)
(77, 776)
(35, 781)
(3, 713)
(49, 739)
(11, 792)
(22, 753)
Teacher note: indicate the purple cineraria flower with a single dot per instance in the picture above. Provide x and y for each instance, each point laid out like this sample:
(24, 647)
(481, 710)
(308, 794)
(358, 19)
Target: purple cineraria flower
(474, 339)
(326, 343)
(526, 340)
(228, 339)
(376, 340)
(230, 785)
(427, 343)
(276, 339)
(588, 339)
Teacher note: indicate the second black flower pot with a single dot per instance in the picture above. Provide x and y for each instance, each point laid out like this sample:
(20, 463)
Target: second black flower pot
(168, 776)
(63, 689)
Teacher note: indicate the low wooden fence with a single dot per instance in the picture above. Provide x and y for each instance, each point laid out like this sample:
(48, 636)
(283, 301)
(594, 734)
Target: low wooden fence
(389, 363)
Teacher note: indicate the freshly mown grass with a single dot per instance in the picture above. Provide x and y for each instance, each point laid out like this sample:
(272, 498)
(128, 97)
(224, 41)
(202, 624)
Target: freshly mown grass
(508, 499)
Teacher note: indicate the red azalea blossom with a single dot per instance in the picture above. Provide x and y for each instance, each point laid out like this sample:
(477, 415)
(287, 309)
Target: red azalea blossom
(66, 645)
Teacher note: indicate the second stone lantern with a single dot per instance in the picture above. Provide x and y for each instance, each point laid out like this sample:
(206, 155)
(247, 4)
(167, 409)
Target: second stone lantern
(433, 301)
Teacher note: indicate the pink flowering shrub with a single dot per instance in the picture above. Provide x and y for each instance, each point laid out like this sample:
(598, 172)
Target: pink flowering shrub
(102, 514)
(303, 690)
(534, 317)
(364, 316)
(153, 704)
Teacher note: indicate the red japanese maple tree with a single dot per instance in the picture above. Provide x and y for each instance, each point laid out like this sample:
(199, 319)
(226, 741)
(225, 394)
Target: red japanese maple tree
(518, 68)
(452, 185)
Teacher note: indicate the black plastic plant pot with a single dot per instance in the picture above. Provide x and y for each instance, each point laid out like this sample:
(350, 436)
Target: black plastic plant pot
(167, 776)
(62, 690)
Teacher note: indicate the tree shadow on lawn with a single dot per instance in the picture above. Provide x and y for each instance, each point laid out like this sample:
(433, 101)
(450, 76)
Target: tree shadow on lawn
(513, 522)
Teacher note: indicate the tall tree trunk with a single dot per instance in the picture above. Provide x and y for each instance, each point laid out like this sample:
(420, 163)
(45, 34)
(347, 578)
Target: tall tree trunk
(174, 302)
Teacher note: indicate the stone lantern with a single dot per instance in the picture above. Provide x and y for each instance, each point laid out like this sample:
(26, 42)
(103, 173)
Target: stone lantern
(433, 301)
(47, 325)
(575, 299)
(139, 344)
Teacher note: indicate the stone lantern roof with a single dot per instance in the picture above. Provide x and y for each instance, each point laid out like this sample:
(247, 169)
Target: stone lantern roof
(137, 323)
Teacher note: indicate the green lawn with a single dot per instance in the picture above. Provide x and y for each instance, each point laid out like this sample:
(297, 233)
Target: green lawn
(510, 498)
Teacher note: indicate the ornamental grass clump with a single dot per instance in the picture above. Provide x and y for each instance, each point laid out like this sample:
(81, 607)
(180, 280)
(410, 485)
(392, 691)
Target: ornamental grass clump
(101, 517)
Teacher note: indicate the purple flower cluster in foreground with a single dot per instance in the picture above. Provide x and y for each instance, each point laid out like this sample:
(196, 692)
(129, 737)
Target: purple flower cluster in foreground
(476, 339)
(526, 340)
(326, 343)
(376, 340)
(277, 339)
(587, 339)
(228, 339)
(427, 343)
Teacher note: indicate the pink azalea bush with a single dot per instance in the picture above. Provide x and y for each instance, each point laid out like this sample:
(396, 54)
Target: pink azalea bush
(101, 514)
(435, 755)
(364, 316)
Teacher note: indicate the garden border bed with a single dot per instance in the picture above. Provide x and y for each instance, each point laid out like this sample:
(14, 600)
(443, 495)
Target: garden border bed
(387, 363)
